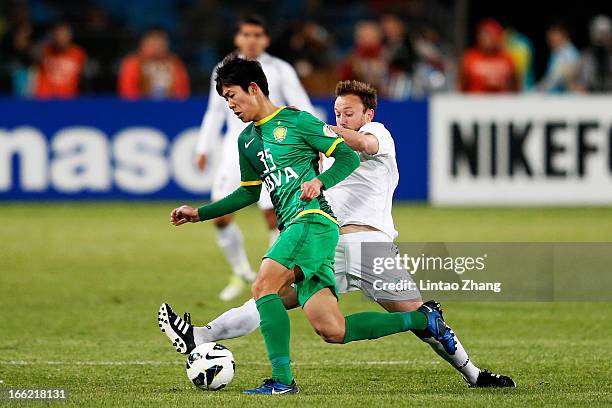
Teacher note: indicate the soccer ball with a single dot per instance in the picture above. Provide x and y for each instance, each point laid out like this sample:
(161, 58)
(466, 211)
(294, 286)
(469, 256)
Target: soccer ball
(210, 366)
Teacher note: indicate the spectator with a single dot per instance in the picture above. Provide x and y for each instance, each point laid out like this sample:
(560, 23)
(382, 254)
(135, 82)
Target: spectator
(17, 50)
(307, 46)
(367, 61)
(488, 68)
(401, 56)
(153, 72)
(562, 72)
(17, 64)
(596, 62)
(434, 71)
(61, 65)
(520, 49)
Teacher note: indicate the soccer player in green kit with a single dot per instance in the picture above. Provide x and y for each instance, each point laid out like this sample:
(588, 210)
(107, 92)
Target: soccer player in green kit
(280, 149)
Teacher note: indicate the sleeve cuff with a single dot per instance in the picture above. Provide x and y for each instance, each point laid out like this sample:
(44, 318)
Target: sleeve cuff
(251, 183)
(323, 179)
(201, 213)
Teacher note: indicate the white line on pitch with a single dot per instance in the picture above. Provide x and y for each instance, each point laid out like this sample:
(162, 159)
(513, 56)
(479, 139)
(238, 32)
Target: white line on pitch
(156, 363)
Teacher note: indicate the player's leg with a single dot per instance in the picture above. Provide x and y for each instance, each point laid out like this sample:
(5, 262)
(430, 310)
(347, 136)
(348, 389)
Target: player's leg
(184, 337)
(236, 322)
(311, 240)
(272, 278)
(314, 260)
(405, 301)
(229, 236)
(317, 294)
(459, 359)
(361, 275)
(322, 311)
(239, 321)
(325, 316)
(348, 264)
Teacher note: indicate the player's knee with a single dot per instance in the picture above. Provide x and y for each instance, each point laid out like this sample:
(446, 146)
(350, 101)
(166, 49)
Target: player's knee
(262, 287)
(330, 333)
(257, 289)
(333, 336)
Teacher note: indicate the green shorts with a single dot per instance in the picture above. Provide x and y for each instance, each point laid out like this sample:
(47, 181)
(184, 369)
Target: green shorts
(310, 243)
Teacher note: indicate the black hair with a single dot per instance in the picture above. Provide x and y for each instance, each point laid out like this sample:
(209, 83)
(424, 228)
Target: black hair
(242, 72)
(253, 19)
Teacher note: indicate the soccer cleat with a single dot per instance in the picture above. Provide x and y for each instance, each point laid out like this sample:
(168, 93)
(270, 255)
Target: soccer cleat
(274, 387)
(232, 290)
(436, 327)
(179, 331)
(487, 379)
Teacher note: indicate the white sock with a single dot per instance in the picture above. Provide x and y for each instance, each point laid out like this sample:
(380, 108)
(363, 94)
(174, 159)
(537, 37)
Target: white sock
(460, 360)
(274, 233)
(231, 243)
(236, 322)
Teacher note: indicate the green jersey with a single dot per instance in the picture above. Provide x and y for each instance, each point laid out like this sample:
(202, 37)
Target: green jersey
(282, 152)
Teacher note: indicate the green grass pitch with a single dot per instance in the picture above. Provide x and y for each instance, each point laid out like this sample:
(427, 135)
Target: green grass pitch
(80, 285)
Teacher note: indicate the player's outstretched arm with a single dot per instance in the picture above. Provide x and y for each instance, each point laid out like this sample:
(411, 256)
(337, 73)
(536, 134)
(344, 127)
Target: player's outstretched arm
(242, 197)
(358, 141)
(245, 195)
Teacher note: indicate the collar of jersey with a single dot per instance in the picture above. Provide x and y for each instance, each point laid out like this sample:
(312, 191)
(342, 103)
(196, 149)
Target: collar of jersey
(270, 116)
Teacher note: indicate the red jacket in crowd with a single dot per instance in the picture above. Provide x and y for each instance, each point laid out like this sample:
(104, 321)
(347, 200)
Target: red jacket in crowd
(153, 78)
(60, 72)
(488, 68)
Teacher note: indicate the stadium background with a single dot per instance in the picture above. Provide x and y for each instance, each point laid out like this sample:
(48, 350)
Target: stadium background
(86, 184)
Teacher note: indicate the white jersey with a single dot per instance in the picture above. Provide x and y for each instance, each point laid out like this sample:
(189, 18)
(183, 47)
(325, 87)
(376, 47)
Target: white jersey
(366, 196)
(285, 89)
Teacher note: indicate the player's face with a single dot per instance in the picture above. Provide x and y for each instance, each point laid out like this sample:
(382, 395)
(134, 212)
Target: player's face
(251, 40)
(350, 112)
(242, 103)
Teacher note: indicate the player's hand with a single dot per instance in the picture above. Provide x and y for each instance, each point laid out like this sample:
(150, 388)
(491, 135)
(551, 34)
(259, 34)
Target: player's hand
(201, 161)
(183, 214)
(311, 189)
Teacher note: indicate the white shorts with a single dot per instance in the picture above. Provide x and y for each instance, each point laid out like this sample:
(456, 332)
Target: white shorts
(227, 177)
(351, 275)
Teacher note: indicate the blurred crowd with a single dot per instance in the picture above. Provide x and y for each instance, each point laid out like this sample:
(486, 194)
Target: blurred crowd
(502, 61)
(103, 47)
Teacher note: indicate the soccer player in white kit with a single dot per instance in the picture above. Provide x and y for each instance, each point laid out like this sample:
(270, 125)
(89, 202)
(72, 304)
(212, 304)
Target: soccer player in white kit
(251, 40)
(362, 204)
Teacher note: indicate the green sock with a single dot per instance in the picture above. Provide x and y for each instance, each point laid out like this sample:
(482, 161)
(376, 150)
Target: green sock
(276, 331)
(372, 325)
